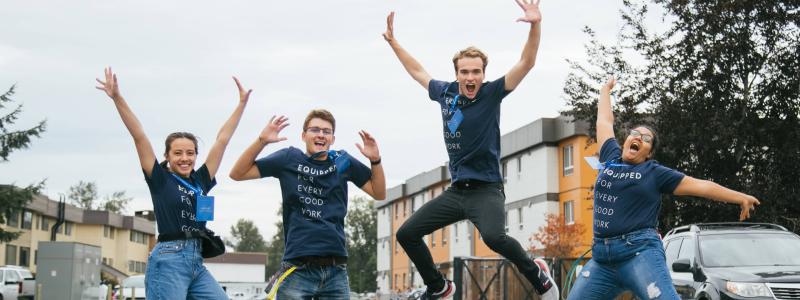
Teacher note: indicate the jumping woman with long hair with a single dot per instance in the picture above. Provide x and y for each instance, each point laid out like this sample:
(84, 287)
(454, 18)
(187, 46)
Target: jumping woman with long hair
(175, 266)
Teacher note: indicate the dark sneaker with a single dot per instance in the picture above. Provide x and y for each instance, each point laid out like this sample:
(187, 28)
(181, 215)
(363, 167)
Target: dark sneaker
(548, 289)
(445, 293)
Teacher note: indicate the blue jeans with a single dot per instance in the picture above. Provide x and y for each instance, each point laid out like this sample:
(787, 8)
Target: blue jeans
(175, 271)
(634, 261)
(314, 282)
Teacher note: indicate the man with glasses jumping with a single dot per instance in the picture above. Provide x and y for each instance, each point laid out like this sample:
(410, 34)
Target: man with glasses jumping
(314, 188)
(471, 124)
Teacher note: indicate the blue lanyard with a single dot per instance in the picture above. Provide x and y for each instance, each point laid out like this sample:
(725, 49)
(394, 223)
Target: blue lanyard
(610, 164)
(455, 100)
(197, 189)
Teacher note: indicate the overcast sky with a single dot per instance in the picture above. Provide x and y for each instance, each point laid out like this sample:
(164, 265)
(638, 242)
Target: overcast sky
(174, 60)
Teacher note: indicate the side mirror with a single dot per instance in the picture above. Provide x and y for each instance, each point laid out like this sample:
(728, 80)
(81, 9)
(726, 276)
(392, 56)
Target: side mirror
(682, 265)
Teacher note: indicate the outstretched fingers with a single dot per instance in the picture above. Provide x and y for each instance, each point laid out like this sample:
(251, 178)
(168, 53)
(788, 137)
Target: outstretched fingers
(389, 34)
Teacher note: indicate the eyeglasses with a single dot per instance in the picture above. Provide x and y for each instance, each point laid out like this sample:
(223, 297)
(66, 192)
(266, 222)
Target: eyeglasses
(317, 130)
(645, 137)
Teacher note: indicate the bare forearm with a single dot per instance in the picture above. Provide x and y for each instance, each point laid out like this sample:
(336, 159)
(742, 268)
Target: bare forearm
(412, 66)
(129, 119)
(378, 182)
(531, 49)
(247, 160)
(605, 116)
(226, 132)
(714, 191)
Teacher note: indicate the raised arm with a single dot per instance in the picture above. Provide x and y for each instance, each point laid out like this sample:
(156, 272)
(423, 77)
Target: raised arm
(226, 132)
(144, 149)
(376, 185)
(605, 116)
(413, 67)
(528, 58)
(690, 186)
(245, 167)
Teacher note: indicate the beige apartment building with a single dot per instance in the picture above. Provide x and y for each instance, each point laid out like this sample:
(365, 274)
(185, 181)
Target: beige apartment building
(125, 241)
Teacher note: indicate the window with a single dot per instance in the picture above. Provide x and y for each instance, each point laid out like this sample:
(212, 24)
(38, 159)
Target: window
(569, 212)
(455, 231)
(108, 231)
(396, 210)
(519, 218)
(136, 266)
(138, 237)
(506, 221)
(433, 241)
(413, 204)
(24, 256)
(504, 169)
(27, 219)
(45, 223)
(12, 276)
(671, 250)
(396, 247)
(68, 228)
(567, 160)
(405, 211)
(687, 249)
(519, 165)
(11, 255)
(444, 236)
(13, 219)
(36, 256)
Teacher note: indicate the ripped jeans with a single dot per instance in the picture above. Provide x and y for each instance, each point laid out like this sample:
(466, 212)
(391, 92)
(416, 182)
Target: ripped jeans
(633, 261)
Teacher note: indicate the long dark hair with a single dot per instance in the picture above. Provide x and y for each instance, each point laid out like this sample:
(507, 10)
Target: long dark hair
(174, 136)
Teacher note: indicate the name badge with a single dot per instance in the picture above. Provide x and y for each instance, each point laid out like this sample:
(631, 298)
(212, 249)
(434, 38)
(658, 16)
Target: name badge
(455, 121)
(205, 208)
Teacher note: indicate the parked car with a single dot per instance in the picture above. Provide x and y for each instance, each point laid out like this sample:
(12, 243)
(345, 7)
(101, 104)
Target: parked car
(95, 292)
(734, 261)
(131, 288)
(17, 283)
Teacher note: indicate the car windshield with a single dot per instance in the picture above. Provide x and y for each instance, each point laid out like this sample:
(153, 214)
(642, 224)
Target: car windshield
(133, 282)
(749, 249)
(26, 274)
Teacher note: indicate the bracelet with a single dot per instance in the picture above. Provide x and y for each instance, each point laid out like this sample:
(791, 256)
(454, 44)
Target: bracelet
(377, 162)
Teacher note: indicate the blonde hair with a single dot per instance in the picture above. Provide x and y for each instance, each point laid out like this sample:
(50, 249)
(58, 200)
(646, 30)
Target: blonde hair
(470, 51)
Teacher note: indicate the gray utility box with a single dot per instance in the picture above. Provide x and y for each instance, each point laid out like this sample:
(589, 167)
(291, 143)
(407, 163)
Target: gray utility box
(66, 269)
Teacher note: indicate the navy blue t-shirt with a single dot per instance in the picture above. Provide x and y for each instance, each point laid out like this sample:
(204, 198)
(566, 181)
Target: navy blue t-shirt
(474, 148)
(174, 203)
(628, 197)
(314, 200)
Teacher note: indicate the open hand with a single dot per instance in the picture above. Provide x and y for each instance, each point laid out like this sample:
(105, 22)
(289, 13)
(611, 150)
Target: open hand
(110, 85)
(748, 205)
(270, 133)
(389, 34)
(370, 148)
(532, 13)
(243, 96)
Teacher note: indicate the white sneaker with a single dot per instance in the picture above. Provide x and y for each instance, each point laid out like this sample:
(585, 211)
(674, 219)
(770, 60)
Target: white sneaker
(551, 292)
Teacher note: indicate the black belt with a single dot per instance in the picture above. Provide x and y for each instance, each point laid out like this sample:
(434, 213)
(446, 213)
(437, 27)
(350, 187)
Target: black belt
(322, 261)
(468, 184)
(183, 235)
